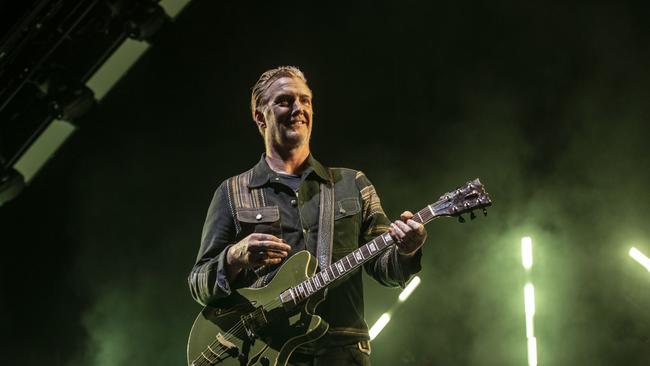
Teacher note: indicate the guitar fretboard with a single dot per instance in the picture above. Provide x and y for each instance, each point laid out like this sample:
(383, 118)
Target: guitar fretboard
(350, 262)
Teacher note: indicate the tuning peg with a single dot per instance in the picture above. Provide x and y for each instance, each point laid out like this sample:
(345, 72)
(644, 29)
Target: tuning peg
(461, 219)
(484, 211)
(472, 216)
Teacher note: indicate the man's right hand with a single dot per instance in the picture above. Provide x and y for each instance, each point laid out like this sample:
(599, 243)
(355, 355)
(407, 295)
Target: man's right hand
(255, 250)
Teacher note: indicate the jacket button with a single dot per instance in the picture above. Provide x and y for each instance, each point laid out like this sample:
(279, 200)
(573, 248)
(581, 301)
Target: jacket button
(258, 217)
(294, 202)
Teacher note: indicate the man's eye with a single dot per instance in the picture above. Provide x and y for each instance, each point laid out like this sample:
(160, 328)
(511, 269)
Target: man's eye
(282, 102)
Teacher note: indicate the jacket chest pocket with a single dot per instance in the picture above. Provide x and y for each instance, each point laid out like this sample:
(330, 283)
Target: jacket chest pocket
(347, 223)
(259, 220)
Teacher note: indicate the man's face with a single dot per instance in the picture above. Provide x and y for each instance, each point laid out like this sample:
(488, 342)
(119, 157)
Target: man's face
(288, 113)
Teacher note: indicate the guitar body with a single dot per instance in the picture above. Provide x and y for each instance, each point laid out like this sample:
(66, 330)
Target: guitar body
(277, 330)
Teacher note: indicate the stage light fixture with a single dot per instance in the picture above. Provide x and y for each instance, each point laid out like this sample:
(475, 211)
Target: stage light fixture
(532, 351)
(529, 299)
(413, 284)
(145, 21)
(72, 102)
(173, 7)
(379, 325)
(529, 309)
(527, 252)
(116, 66)
(43, 148)
(11, 184)
(640, 258)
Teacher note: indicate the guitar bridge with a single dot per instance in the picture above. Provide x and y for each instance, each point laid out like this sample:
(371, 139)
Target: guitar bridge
(254, 321)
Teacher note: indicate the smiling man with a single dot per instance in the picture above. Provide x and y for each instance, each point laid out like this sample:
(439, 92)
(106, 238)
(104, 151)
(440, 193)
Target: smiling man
(259, 218)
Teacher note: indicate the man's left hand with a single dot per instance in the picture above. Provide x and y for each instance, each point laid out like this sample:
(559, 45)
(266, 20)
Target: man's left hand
(408, 234)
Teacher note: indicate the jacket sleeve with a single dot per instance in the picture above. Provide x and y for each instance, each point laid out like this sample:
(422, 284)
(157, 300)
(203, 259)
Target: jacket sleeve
(389, 268)
(208, 280)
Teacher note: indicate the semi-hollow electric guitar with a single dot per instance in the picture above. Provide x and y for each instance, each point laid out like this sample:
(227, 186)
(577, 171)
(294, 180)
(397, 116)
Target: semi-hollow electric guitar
(262, 326)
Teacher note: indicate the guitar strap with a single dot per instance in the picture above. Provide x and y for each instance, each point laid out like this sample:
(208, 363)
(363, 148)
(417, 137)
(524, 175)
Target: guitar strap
(325, 223)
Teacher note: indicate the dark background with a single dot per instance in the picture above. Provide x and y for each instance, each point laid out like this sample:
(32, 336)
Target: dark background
(546, 103)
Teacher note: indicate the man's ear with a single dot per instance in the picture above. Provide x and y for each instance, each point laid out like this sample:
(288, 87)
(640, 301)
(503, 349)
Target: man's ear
(260, 120)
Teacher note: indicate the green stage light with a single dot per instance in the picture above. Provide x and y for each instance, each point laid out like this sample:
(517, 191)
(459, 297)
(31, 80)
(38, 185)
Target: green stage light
(527, 252)
(639, 257)
(409, 289)
(532, 351)
(379, 325)
(529, 309)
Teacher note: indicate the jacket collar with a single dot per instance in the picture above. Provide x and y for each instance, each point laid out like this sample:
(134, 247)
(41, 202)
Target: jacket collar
(262, 173)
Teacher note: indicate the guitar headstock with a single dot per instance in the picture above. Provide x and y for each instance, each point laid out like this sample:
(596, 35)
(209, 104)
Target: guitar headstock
(466, 198)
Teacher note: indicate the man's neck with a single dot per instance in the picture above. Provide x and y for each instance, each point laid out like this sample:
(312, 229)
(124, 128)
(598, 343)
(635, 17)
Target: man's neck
(292, 161)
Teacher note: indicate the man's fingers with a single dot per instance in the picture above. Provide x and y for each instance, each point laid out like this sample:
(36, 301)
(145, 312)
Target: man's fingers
(279, 247)
(269, 247)
(266, 237)
(402, 226)
(272, 261)
(406, 215)
(415, 225)
(270, 241)
(274, 254)
(397, 231)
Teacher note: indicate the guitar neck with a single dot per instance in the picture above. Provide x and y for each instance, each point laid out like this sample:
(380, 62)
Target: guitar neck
(352, 261)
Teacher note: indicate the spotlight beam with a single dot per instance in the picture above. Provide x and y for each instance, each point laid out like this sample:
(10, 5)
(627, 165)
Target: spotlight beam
(640, 258)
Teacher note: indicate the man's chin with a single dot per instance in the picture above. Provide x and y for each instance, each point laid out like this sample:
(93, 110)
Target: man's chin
(295, 139)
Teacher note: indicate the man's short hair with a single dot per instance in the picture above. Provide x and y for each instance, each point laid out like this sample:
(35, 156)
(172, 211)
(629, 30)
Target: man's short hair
(258, 94)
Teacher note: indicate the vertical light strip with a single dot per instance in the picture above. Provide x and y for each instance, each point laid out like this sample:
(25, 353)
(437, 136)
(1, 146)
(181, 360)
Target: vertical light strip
(527, 252)
(639, 257)
(529, 309)
(532, 351)
(529, 300)
(379, 325)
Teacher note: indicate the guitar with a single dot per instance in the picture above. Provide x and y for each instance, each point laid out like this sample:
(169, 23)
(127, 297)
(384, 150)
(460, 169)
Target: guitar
(262, 326)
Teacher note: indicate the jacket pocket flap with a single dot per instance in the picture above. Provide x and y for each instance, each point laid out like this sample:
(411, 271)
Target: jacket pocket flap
(258, 214)
(346, 207)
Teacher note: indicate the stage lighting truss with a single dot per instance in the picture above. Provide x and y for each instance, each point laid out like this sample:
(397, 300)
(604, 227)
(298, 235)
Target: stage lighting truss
(54, 66)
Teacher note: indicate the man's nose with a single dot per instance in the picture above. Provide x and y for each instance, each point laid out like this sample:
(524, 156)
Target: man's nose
(298, 107)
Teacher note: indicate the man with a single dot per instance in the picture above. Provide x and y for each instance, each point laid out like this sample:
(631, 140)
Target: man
(259, 218)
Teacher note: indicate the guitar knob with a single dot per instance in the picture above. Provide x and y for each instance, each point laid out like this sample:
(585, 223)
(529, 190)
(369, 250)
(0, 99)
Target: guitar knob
(484, 211)
(472, 216)
(461, 219)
